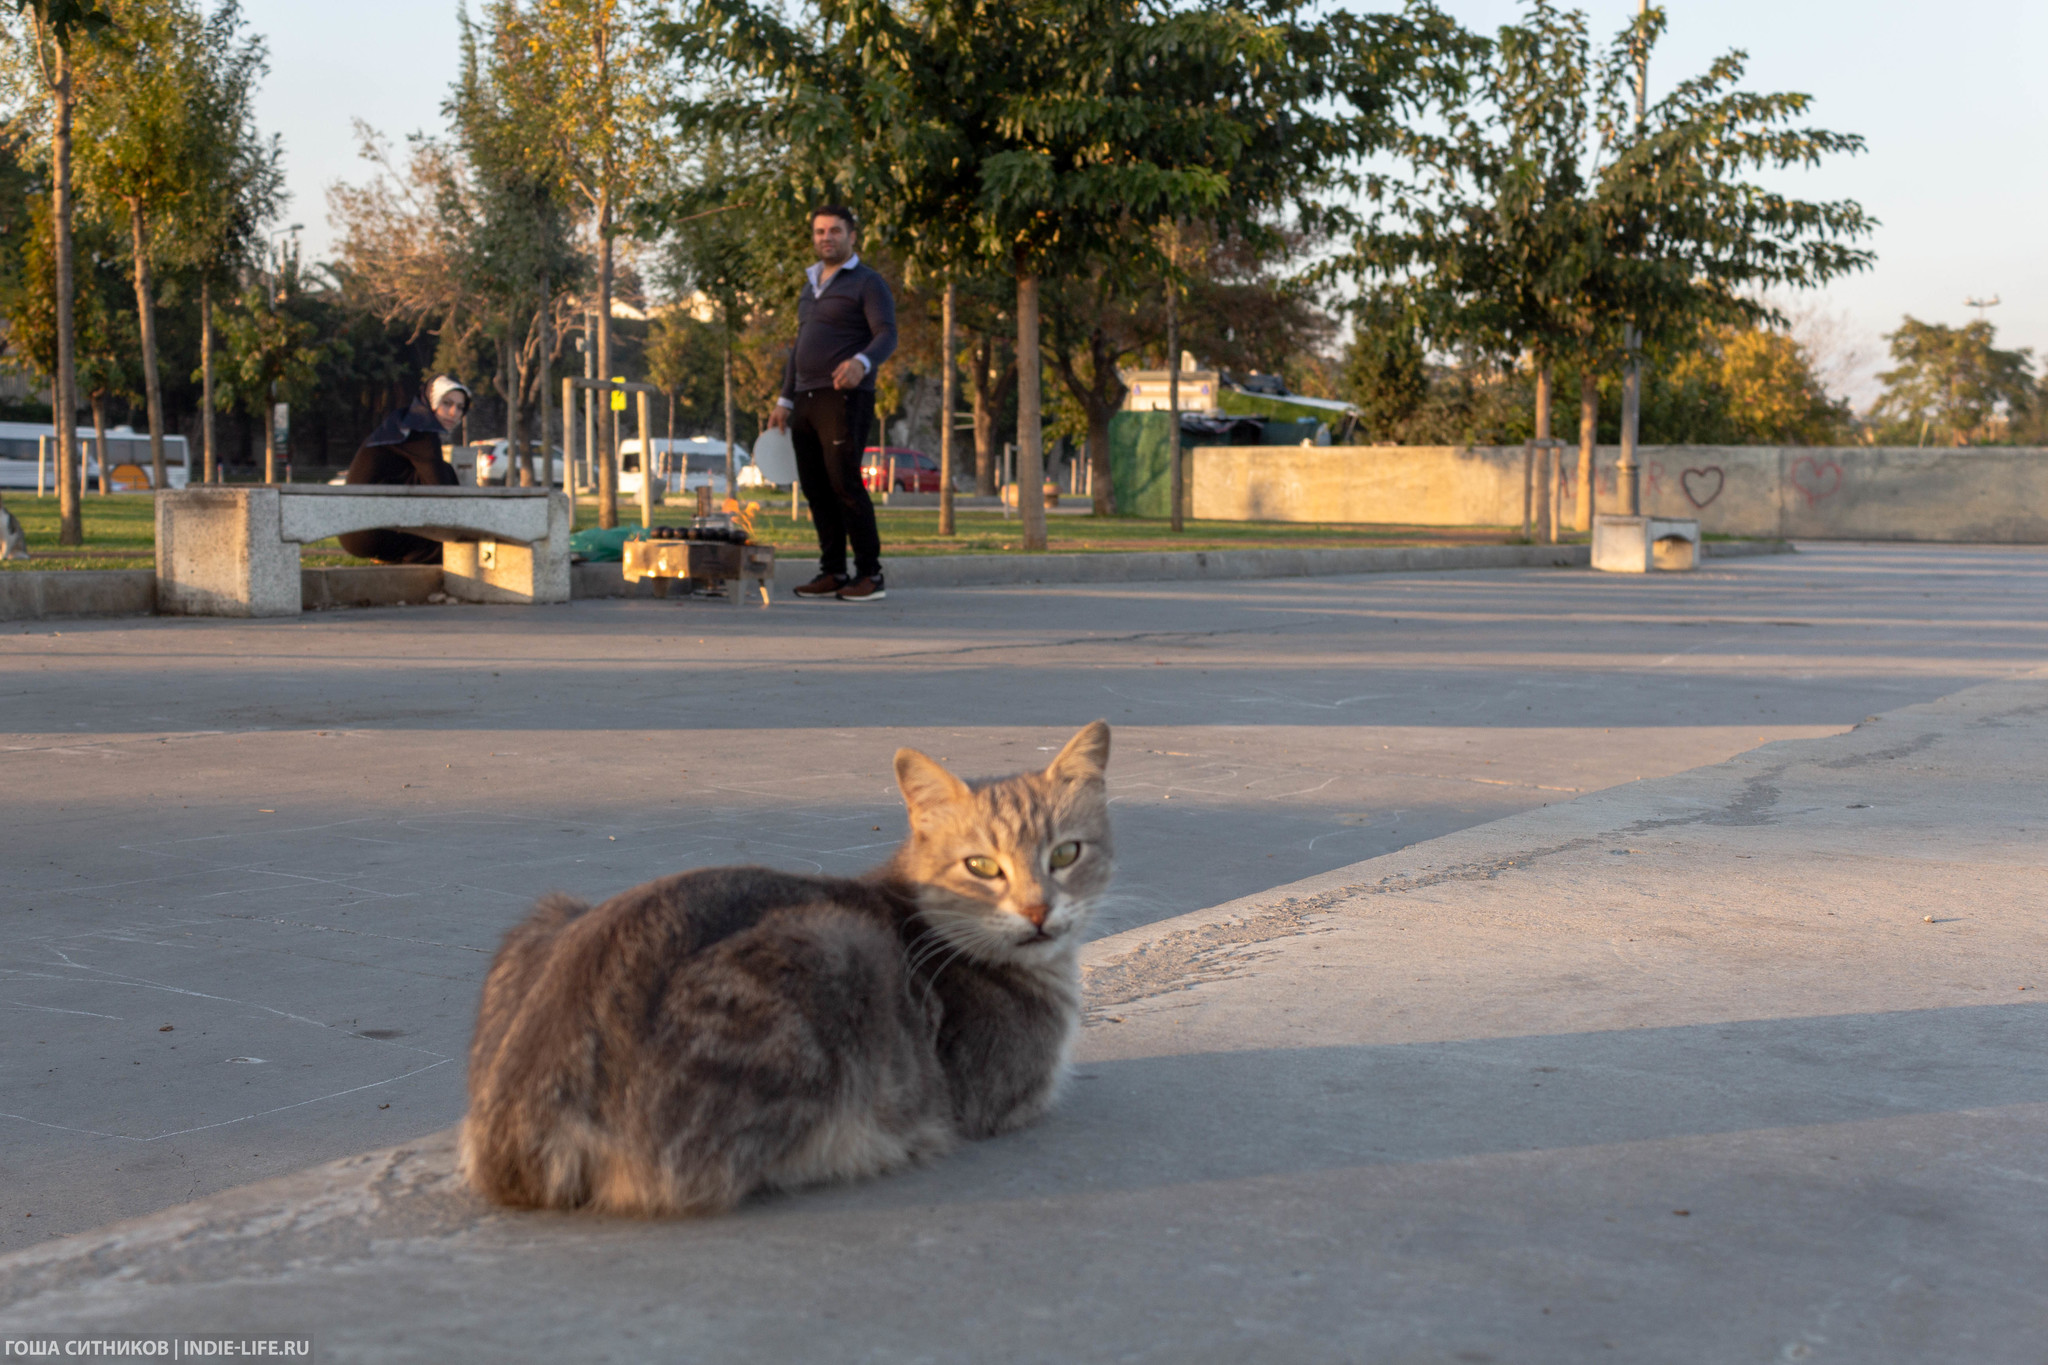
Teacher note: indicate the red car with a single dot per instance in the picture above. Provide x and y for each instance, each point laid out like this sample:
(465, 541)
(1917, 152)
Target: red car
(916, 472)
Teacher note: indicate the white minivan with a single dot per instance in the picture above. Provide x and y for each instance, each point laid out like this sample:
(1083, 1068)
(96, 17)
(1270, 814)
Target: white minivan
(681, 466)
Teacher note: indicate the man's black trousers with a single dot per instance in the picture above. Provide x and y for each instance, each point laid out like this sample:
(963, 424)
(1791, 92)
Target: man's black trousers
(830, 430)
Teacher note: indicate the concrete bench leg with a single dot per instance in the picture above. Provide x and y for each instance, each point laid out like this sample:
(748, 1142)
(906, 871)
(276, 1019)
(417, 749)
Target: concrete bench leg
(221, 555)
(505, 571)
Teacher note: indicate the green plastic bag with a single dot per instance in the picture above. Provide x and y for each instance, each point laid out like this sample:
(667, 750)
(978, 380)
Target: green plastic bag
(599, 546)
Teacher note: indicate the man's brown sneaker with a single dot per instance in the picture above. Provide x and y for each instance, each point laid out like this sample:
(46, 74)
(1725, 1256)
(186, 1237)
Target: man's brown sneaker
(825, 585)
(863, 590)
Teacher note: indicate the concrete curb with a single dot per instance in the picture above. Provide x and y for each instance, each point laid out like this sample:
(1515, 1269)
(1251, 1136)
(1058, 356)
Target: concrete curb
(32, 595)
(978, 571)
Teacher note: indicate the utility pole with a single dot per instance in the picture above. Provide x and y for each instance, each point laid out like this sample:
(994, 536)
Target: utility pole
(1981, 305)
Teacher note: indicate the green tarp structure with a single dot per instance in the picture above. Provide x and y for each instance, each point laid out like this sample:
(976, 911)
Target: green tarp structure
(1140, 477)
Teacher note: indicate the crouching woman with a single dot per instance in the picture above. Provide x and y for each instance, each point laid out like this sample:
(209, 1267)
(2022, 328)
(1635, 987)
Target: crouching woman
(406, 449)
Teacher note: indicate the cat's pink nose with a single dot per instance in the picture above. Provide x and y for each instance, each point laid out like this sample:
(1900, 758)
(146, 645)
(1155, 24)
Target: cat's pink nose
(1035, 913)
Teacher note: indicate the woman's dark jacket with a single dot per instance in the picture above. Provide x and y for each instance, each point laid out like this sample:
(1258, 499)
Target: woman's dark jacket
(404, 449)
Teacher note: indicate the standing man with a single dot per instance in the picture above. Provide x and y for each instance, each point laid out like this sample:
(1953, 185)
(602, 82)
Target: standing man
(845, 328)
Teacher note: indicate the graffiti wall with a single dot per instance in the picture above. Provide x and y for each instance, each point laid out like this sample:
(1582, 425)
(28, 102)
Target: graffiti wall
(1976, 494)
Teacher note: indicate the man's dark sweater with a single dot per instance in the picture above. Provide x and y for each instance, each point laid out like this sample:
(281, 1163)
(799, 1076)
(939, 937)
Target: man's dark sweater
(856, 316)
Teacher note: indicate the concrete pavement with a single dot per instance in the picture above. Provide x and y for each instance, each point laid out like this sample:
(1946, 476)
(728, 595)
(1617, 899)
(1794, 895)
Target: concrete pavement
(296, 842)
(1745, 1063)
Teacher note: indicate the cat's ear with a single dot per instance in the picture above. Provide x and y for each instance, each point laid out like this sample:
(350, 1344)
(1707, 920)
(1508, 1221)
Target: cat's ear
(1085, 756)
(924, 782)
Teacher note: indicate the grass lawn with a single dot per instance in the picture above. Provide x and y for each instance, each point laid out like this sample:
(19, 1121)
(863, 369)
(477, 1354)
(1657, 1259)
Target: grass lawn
(120, 533)
(913, 532)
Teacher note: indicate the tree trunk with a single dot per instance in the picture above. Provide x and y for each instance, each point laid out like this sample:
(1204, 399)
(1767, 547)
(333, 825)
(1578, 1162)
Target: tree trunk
(984, 419)
(732, 473)
(1030, 436)
(1589, 432)
(607, 459)
(1173, 403)
(145, 311)
(546, 365)
(1098, 459)
(947, 401)
(99, 436)
(206, 381)
(515, 425)
(64, 392)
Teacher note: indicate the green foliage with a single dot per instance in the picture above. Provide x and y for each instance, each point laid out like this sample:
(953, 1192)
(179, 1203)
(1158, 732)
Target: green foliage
(1952, 385)
(1546, 220)
(1045, 137)
(271, 340)
(1385, 372)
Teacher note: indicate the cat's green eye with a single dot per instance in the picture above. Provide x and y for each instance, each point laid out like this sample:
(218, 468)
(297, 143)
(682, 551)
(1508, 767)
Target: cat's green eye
(1063, 855)
(981, 865)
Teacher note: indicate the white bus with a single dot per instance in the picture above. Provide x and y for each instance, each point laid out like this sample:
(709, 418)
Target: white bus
(20, 443)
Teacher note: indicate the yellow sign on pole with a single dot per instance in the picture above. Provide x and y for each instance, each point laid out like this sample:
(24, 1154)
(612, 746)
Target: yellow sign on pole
(618, 395)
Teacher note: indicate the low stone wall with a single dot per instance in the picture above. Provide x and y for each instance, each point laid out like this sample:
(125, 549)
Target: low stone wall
(33, 594)
(1984, 494)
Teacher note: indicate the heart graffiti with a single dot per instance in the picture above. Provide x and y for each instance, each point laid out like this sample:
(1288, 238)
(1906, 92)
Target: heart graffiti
(1816, 479)
(1702, 486)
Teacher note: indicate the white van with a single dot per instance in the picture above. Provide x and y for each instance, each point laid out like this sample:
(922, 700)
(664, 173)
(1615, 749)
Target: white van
(681, 466)
(20, 443)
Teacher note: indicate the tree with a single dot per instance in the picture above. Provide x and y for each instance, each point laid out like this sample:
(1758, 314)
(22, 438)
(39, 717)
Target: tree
(602, 131)
(236, 186)
(515, 229)
(1952, 383)
(149, 139)
(273, 354)
(1385, 370)
(1049, 138)
(1561, 216)
(724, 259)
(54, 30)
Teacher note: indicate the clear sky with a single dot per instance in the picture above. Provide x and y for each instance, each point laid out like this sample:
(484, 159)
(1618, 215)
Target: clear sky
(1947, 95)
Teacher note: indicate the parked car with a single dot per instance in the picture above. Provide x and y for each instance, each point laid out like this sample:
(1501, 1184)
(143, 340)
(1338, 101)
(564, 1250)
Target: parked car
(496, 465)
(916, 472)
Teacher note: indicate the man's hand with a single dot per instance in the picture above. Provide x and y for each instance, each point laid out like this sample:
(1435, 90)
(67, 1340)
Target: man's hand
(778, 418)
(849, 374)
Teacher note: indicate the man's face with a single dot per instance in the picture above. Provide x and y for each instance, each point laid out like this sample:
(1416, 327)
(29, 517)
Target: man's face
(831, 238)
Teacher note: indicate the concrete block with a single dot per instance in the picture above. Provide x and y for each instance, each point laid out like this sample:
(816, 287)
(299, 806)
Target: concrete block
(219, 553)
(33, 594)
(1640, 544)
(508, 571)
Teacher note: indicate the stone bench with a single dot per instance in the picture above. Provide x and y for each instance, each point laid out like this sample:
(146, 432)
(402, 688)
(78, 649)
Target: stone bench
(234, 551)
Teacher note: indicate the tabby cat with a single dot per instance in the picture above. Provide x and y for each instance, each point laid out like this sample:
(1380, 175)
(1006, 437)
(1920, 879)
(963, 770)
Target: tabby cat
(710, 1035)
